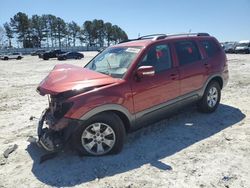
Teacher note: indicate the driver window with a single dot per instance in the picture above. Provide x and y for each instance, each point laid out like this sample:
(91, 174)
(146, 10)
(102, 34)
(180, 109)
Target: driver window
(159, 57)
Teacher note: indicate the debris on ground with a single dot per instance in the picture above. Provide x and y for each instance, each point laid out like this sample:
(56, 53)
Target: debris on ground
(3, 160)
(9, 150)
(32, 118)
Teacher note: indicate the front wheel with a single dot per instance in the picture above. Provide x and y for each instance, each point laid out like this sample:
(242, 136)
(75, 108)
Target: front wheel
(102, 134)
(211, 98)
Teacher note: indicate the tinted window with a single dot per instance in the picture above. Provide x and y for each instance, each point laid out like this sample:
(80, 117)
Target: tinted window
(159, 57)
(210, 47)
(187, 52)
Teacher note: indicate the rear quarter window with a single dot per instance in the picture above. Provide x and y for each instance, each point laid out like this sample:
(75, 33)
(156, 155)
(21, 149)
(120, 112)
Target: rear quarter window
(211, 47)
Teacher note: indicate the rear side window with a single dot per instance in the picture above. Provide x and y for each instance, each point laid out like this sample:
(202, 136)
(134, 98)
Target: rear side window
(187, 52)
(210, 47)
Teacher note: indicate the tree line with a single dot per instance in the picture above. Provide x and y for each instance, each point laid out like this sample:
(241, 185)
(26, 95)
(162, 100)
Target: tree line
(51, 31)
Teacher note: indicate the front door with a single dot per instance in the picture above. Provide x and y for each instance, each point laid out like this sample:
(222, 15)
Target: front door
(151, 93)
(191, 67)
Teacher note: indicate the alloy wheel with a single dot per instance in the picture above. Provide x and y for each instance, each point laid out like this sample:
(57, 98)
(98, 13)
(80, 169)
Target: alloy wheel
(212, 97)
(98, 138)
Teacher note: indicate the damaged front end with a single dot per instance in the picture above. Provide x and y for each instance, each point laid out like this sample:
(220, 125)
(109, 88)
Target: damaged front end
(62, 83)
(53, 128)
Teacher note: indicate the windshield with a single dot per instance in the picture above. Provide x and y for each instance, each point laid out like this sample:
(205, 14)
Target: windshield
(114, 61)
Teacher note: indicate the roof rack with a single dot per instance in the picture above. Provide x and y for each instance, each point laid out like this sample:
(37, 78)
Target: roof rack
(152, 36)
(163, 36)
(190, 34)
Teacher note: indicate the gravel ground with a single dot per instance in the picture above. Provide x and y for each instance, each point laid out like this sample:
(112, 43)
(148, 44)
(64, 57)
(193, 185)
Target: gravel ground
(187, 150)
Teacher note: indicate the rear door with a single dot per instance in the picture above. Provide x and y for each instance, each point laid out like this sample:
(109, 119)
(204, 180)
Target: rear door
(191, 67)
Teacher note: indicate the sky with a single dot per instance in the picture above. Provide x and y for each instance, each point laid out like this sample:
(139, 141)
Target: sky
(227, 20)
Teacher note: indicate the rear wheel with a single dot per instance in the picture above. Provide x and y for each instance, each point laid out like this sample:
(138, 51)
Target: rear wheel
(102, 134)
(19, 57)
(5, 58)
(211, 98)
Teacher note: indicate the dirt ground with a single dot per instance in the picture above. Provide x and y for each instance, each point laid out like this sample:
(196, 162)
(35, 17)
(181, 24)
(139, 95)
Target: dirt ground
(187, 150)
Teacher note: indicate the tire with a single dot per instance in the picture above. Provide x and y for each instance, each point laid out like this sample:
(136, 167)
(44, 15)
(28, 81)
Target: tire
(45, 58)
(211, 98)
(19, 57)
(109, 129)
(5, 58)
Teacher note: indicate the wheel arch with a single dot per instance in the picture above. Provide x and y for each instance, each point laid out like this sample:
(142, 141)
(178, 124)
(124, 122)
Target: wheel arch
(124, 118)
(217, 79)
(120, 111)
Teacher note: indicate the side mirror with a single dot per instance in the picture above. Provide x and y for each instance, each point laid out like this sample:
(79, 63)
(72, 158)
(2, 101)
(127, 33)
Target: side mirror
(145, 71)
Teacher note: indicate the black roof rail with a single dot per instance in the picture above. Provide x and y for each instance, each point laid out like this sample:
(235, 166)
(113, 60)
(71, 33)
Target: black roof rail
(189, 34)
(163, 36)
(153, 37)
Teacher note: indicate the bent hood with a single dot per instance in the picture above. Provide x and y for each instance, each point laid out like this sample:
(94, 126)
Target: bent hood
(67, 77)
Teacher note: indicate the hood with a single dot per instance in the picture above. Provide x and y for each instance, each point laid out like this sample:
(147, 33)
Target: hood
(67, 77)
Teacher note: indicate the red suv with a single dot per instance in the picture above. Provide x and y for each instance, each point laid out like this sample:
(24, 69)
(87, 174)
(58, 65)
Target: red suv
(127, 86)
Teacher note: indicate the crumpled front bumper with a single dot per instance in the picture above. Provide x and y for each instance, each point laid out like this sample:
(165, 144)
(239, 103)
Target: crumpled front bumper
(48, 138)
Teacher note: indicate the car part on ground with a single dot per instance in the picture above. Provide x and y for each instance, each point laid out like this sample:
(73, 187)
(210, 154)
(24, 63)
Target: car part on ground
(8, 151)
(127, 86)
